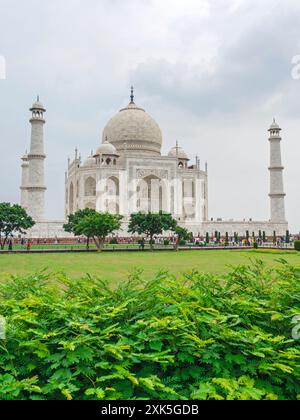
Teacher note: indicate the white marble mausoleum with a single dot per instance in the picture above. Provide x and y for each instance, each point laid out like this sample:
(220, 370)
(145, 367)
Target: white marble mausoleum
(128, 173)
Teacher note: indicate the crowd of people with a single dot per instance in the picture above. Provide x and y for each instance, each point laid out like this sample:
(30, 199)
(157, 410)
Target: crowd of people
(141, 242)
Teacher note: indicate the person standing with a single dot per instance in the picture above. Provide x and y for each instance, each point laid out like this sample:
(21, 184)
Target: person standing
(142, 244)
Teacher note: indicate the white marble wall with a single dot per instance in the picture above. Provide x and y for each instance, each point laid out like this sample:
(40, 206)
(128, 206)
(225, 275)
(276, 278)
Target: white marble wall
(131, 172)
(48, 230)
(239, 227)
(55, 229)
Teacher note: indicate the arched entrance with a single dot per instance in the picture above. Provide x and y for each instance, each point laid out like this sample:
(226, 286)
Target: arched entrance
(150, 195)
(113, 195)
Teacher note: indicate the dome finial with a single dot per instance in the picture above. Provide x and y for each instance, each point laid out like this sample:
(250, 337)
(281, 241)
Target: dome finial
(132, 94)
(38, 98)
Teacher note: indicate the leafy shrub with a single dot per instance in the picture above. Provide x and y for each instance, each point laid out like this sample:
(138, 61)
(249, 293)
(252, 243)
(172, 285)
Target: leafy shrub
(198, 337)
(182, 243)
(297, 245)
(255, 245)
(166, 242)
(201, 244)
(114, 241)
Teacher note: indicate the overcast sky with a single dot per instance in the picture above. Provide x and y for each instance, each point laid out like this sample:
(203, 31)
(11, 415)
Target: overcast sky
(213, 73)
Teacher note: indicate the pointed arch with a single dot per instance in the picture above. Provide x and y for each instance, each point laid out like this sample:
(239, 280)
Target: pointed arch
(90, 187)
(113, 195)
(151, 194)
(71, 199)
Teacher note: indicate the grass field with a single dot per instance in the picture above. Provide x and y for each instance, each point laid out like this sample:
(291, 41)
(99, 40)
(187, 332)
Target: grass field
(116, 266)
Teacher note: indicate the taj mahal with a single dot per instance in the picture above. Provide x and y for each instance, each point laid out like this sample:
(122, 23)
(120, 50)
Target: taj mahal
(127, 173)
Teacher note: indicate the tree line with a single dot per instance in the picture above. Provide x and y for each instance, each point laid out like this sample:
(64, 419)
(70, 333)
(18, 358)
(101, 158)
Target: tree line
(93, 225)
(98, 226)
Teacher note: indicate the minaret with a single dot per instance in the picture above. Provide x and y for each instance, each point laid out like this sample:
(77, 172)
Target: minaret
(36, 184)
(277, 195)
(24, 184)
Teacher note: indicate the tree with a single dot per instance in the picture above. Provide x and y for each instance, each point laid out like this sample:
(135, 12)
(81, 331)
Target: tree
(207, 241)
(151, 224)
(287, 237)
(98, 226)
(227, 239)
(75, 219)
(182, 235)
(13, 219)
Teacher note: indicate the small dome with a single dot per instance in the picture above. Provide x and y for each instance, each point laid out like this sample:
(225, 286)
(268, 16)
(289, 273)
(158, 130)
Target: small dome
(178, 152)
(90, 161)
(38, 106)
(275, 126)
(107, 149)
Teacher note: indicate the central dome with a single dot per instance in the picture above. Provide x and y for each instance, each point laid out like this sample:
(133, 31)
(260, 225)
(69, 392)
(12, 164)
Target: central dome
(134, 131)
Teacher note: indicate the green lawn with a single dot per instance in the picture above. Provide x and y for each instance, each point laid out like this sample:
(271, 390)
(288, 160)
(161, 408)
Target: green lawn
(116, 266)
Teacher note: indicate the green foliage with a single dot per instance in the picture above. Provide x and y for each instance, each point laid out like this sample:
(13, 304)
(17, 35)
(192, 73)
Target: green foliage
(227, 239)
(207, 239)
(297, 245)
(182, 235)
(197, 337)
(90, 223)
(166, 242)
(151, 224)
(13, 220)
(98, 226)
(75, 219)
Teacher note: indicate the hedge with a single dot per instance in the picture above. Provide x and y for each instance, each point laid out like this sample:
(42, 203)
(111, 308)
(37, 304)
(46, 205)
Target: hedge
(297, 245)
(197, 337)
